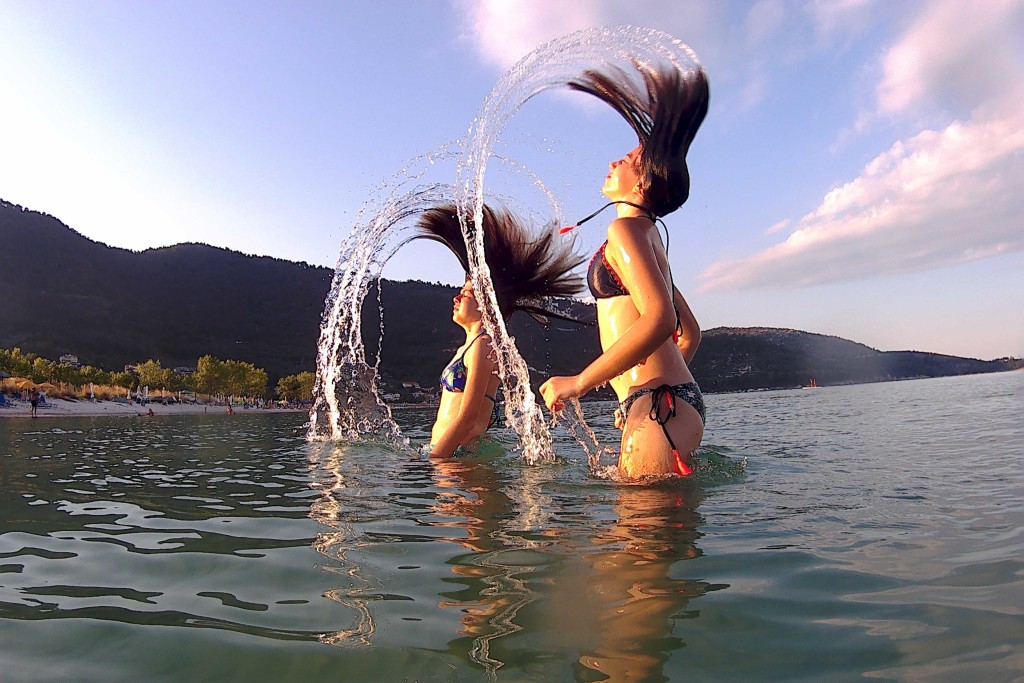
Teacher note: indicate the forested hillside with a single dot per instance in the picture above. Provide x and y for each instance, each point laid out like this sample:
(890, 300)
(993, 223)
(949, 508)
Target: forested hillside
(63, 293)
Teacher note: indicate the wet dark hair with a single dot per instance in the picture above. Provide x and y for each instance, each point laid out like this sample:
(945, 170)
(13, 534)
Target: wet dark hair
(524, 272)
(665, 113)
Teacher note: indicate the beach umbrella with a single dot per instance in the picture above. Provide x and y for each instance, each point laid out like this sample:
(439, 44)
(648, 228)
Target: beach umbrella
(22, 383)
(47, 387)
(3, 375)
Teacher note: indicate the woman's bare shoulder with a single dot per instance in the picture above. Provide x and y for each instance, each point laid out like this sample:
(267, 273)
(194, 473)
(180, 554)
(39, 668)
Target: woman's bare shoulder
(629, 233)
(629, 228)
(483, 347)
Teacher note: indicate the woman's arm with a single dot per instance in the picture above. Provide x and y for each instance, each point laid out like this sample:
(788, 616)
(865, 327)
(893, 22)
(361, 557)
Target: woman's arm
(632, 254)
(479, 369)
(690, 337)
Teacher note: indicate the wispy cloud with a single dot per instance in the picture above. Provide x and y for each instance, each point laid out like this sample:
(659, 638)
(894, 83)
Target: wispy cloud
(744, 44)
(777, 227)
(504, 31)
(937, 199)
(943, 196)
(956, 55)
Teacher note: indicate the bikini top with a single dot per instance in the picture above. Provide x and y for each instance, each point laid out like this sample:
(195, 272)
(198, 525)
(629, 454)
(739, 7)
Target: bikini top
(604, 282)
(454, 376)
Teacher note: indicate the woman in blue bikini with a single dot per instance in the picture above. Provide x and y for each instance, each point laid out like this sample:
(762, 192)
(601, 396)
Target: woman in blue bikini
(648, 334)
(524, 273)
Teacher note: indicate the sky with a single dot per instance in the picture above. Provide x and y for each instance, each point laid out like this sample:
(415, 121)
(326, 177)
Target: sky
(859, 172)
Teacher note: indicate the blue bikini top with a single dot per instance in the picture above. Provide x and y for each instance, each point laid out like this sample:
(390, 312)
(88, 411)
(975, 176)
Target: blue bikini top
(454, 376)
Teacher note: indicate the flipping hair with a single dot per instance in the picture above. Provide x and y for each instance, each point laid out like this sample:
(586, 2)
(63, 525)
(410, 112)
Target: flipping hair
(665, 114)
(524, 273)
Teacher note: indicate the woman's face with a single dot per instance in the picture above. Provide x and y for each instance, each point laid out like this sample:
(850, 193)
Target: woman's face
(465, 309)
(622, 179)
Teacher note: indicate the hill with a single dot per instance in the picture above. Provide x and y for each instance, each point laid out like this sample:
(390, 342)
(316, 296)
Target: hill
(737, 359)
(64, 293)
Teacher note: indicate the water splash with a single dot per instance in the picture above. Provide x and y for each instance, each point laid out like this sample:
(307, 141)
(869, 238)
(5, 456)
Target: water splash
(599, 458)
(551, 65)
(347, 402)
(346, 397)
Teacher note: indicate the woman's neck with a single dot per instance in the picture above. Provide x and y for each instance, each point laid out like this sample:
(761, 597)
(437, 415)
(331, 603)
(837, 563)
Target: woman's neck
(631, 207)
(473, 329)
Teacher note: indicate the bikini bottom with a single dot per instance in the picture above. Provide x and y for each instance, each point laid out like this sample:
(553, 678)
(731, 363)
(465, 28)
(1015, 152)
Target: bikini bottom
(667, 394)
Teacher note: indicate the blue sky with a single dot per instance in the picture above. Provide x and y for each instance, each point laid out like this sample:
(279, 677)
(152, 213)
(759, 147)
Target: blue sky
(858, 174)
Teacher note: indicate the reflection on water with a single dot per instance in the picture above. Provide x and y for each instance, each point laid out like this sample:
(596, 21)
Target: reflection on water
(474, 503)
(326, 469)
(623, 582)
(873, 534)
(527, 551)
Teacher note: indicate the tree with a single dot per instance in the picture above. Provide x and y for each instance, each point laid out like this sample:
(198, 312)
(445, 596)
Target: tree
(95, 375)
(208, 376)
(15, 362)
(125, 380)
(257, 382)
(296, 387)
(42, 370)
(152, 374)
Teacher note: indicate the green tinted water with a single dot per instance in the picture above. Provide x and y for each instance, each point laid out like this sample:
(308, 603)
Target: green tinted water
(875, 532)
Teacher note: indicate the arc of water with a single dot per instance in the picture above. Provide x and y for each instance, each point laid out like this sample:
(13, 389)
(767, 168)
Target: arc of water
(343, 373)
(341, 359)
(551, 65)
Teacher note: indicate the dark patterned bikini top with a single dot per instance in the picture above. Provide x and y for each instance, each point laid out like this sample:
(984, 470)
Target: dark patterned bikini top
(604, 282)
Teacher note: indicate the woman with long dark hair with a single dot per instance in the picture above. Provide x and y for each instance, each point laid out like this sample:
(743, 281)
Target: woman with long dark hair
(648, 334)
(525, 273)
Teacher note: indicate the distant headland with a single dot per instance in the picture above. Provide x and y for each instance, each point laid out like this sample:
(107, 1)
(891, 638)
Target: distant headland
(110, 307)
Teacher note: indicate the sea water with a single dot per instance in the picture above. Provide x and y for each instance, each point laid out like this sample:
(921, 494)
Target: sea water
(875, 532)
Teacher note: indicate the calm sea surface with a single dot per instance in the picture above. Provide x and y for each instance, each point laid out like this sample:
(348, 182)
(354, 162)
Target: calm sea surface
(861, 532)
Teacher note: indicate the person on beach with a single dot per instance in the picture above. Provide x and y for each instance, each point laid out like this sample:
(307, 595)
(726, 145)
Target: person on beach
(524, 273)
(648, 334)
(33, 397)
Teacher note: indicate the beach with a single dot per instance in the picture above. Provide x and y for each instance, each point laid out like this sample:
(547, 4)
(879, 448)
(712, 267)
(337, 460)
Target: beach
(58, 407)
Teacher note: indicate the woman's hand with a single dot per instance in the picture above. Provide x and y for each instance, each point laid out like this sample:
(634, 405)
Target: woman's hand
(557, 389)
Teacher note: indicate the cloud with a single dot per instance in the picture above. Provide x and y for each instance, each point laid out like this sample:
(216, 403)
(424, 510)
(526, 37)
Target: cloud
(937, 199)
(777, 227)
(943, 196)
(956, 55)
(504, 31)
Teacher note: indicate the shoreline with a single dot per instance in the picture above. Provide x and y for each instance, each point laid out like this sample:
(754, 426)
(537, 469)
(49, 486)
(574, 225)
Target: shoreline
(58, 407)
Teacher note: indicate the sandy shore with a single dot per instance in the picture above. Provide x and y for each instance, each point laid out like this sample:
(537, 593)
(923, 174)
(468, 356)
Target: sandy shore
(57, 407)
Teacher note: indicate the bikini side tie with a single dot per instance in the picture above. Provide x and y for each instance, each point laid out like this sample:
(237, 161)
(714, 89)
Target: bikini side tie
(665, 391)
